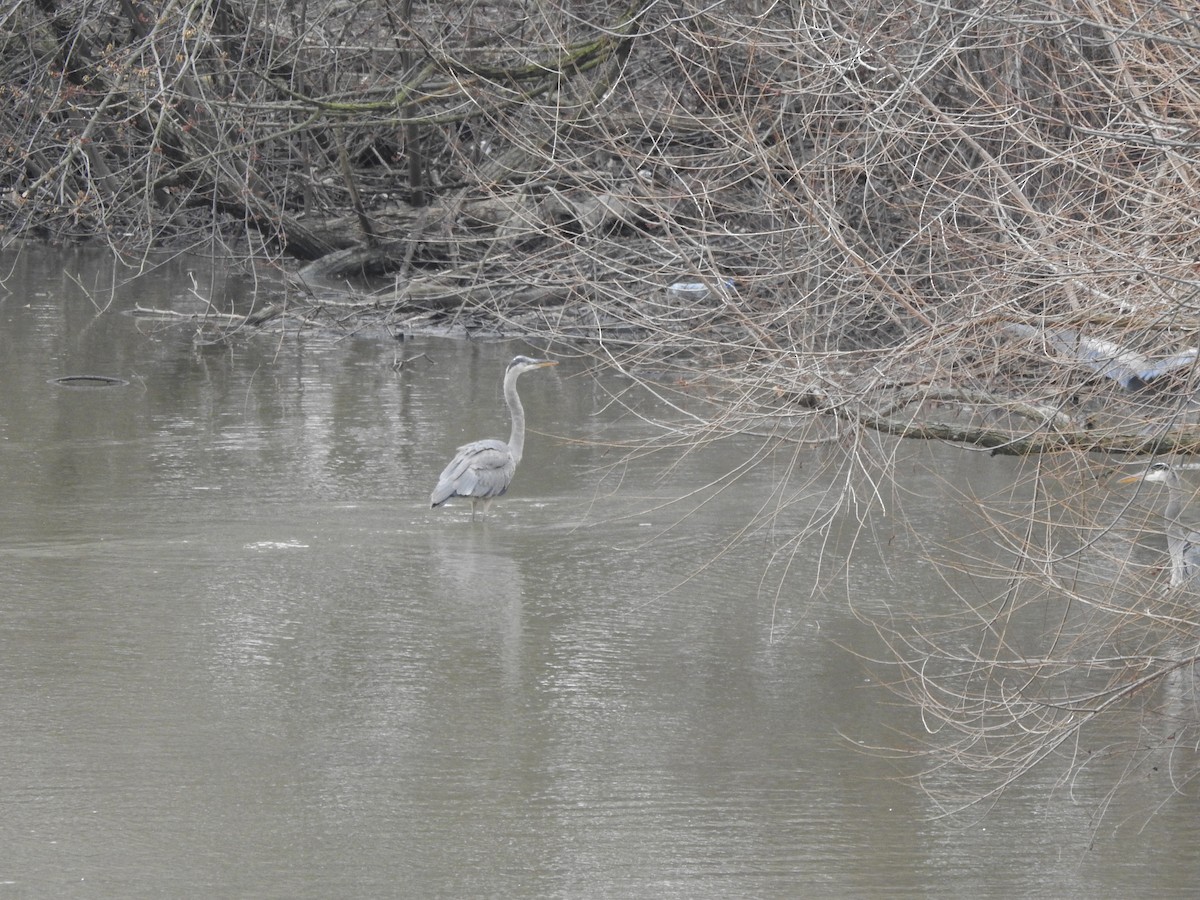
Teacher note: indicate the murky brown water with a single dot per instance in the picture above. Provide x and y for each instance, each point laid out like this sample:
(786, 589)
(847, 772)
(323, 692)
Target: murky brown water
(239, 656)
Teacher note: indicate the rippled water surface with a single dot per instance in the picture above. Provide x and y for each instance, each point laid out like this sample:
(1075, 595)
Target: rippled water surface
(239, 656)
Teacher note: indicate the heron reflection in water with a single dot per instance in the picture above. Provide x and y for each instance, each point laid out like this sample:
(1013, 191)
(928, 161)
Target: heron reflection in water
(483, 470)
(1183, 544)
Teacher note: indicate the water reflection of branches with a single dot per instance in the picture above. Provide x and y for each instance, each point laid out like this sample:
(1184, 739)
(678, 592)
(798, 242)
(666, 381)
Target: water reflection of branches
(1071, 658)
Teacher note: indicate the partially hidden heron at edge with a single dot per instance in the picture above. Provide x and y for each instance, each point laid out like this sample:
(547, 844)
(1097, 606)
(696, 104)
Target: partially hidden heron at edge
(1183, 544)
(483, 470)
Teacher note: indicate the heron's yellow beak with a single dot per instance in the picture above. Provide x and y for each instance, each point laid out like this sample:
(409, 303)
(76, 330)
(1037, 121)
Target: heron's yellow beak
(1129, 479)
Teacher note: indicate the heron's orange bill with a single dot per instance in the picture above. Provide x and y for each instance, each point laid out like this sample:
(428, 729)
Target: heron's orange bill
(1129, 479)
(547, 362)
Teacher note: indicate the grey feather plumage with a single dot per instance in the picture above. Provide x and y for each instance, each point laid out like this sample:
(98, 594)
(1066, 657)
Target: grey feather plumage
(482, 470)
(1183, 543)
(1128, 368)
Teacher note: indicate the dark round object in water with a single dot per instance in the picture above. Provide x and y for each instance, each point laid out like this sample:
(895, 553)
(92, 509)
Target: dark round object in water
(89, 381)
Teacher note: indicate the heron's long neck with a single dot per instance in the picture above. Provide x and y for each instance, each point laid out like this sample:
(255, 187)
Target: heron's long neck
(1176, 535)
(516, 440)
(1174, 498)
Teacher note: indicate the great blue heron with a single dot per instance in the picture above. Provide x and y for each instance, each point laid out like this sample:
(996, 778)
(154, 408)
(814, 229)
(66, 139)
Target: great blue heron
(483, 470)
(1183, 544)
(1126, 367)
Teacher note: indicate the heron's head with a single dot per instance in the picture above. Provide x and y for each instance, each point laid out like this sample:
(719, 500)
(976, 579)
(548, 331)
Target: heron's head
(1159, 471)
(527, 364)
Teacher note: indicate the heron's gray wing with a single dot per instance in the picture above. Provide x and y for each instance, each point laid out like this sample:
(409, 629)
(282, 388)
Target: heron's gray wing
(1170, 364)
(1191, 555)
(1103, 357)
(1124, 366)
(481, 469)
